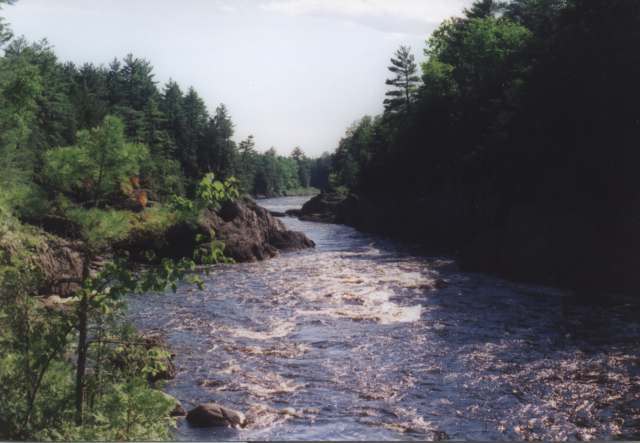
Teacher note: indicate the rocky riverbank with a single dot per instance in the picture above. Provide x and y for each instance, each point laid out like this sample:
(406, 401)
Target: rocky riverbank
(248, 232)
(534, 243)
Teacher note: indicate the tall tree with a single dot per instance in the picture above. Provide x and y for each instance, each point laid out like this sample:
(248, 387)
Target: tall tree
(404, 83)
(304, 168)
(196, 119)
(225, 147)
(247, 158)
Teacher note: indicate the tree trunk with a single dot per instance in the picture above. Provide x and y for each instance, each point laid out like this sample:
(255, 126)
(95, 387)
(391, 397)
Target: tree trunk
(81, 367)
(82, 359)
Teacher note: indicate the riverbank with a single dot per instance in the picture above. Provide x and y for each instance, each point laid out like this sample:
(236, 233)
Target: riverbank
(246, 231)
(528, 244)
(62, 291)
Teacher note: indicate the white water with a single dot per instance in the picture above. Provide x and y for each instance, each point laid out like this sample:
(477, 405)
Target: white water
(361, 339)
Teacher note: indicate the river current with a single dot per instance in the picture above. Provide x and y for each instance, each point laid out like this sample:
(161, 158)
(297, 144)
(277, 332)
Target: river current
(362, 338)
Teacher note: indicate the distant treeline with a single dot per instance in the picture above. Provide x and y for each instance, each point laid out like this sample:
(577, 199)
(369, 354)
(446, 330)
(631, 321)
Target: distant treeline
(46, 103)
(516, 144)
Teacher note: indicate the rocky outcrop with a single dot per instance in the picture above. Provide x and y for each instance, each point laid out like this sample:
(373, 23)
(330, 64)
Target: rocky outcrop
(329, 208)
(60, 265)
(248, 231)
(214, 415)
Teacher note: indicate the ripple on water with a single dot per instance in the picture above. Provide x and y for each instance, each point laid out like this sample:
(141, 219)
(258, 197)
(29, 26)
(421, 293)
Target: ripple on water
(358, 340)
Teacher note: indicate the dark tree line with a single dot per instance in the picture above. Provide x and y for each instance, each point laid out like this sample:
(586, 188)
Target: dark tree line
(520, 140)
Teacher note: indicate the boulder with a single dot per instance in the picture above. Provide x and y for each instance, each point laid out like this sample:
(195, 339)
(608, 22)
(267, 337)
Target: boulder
(323, 208)
(214, 415)
(249, 233)
(331, 207)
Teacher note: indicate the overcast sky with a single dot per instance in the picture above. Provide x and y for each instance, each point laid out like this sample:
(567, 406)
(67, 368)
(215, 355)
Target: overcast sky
(291, 72)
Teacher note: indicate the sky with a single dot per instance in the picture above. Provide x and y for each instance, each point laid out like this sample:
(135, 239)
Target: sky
(291, 72)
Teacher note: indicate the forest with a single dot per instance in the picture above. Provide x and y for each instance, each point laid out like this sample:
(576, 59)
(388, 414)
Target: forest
(513, 145)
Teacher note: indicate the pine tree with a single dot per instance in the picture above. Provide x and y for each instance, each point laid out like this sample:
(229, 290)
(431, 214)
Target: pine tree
(405, 82)
(196, 118)
(304, 167)
(246, 170)
(484, 9)
(225, 147)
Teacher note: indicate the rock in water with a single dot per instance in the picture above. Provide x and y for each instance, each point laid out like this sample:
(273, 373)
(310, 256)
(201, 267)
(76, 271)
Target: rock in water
(213, 415)
(251, 233)
(248, 231)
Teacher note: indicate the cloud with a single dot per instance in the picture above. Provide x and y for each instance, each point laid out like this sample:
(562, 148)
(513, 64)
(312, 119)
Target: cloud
(406, 16)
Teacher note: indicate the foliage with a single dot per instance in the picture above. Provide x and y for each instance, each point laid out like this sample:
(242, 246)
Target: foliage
(36, 389)
(98, 165)
(213, 193)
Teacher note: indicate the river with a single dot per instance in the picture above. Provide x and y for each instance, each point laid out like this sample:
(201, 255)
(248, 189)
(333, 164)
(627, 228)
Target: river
(361, 338)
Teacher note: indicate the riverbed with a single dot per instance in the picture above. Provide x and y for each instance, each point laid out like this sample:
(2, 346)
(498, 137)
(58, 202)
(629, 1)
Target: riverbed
(363, 338)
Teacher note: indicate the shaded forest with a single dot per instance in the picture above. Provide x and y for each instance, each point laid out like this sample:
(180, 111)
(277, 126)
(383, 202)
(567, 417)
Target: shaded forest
(514, 145)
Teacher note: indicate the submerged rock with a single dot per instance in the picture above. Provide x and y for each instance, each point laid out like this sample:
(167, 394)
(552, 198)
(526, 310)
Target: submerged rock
(215, 415)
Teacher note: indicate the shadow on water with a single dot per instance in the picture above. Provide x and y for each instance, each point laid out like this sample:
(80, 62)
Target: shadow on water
(360, 339)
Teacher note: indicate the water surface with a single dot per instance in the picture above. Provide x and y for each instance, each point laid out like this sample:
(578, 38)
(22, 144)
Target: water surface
(361, 339)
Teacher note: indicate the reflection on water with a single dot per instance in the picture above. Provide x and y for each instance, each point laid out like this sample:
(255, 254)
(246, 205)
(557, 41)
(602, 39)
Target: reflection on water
(360, 339)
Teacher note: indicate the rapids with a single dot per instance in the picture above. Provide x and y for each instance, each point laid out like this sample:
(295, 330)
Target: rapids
(364, 339)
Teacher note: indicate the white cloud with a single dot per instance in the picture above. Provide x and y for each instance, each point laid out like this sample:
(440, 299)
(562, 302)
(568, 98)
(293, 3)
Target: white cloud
(409, 16)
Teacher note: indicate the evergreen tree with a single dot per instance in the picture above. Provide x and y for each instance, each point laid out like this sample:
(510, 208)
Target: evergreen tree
(405, 82)
(484, 8)
(225, 149)
(196, 119)
(172, 106)
(302, 162)
(89, 95)
(247, 164)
